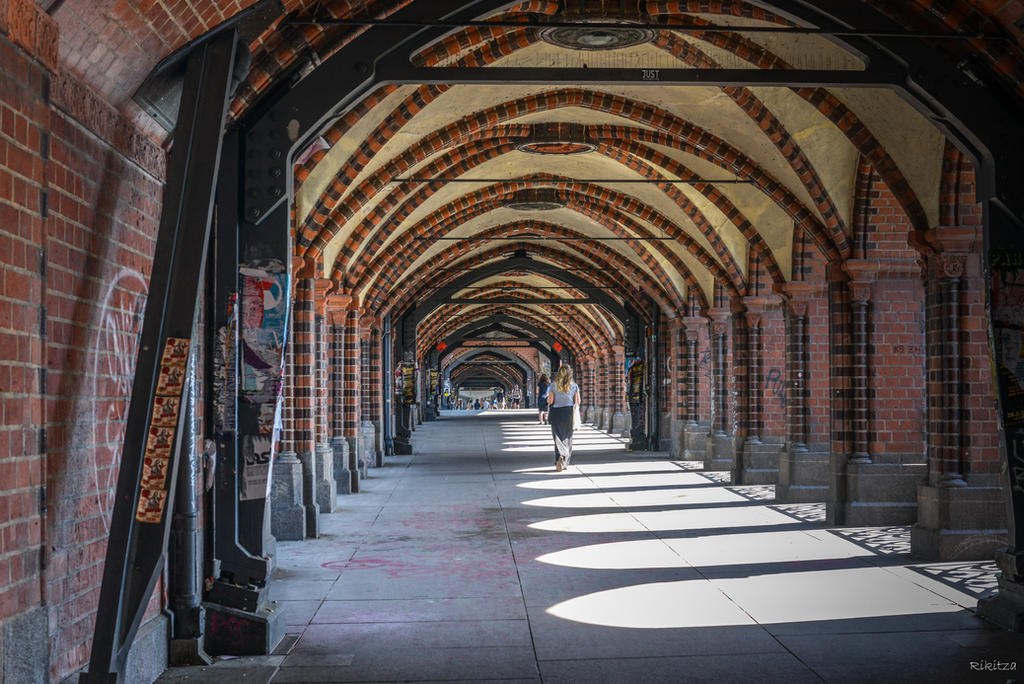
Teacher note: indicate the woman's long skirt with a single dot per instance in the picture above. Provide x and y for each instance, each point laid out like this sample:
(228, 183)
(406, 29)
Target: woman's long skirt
(561, 429)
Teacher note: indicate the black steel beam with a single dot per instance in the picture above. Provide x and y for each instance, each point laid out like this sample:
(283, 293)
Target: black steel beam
(517, 300)
(140, 524)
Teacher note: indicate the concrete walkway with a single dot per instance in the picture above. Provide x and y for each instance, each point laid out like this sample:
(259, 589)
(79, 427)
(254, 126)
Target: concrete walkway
(473, 560)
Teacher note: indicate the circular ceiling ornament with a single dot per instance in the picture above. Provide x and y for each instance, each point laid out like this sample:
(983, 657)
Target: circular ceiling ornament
(557, 138)
(556, 147)
(593, 39)
(535, 199)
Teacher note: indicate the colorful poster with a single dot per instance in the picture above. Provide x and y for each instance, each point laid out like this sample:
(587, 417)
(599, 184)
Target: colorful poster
(263, 313)
(408, 383)
(635, 382)
(165, 412)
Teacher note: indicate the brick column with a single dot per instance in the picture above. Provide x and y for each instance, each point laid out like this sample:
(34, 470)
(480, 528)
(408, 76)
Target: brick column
(677, 387)
(376, 390)
(367, 432)
(620, 412)
(326, 487)
(720, 453)
(695, 433)
(337, 314)
(758, 459)
(303, 404)
(804, 473)
(961, 511)
(352, 395)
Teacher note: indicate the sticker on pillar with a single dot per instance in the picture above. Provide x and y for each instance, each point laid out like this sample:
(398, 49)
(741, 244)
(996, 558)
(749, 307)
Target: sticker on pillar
(159, 442)
(171, 381)
(151, 505)
(256, 467)
(263, 315)
(224, 373)
(154, 473)
(266, 417)
(175, 352)
(165, 412)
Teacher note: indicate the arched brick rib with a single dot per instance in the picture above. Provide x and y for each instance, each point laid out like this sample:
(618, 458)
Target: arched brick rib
(578, 331)
(600, 256)
(335, 133)
(631, 154)
(448, 217)
(575, 339)
(378, 216)
(568, 330)
(518, 288)
(698, 142)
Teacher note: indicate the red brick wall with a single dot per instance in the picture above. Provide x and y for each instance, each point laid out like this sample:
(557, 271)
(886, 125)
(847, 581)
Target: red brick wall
(773, 376)
(81, 264)
(23, 122)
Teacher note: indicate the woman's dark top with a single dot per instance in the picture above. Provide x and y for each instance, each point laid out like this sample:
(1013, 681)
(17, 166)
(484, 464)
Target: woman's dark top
(542, 395)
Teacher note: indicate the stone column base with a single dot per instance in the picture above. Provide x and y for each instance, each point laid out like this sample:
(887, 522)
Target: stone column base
(695, 442)
(368, 436)
(803, 476)
(308, 460)
(230, 631)
(676, 439)
(287, 512)
(620, 424)
(959, 523)
(326, 488)
(353, 461)
(758, 464)
(720, 452)
(1007, 608)
(342, 475)
(883, 492)
(24, 651)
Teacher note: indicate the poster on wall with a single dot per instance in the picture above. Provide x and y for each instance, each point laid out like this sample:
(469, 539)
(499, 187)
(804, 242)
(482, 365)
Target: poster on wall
(407, 373)
(435, 381)
(1007, 268)
(263, 309)
(635, 381)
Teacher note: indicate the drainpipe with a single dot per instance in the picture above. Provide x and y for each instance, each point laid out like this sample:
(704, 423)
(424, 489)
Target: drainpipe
(186, 646)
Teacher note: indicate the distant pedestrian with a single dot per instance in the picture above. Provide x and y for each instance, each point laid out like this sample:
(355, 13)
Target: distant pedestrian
(563, 398)
(543, 385)
(517, 397)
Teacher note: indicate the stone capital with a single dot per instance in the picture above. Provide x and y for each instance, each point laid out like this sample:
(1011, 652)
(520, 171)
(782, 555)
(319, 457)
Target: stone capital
(719, 327)
(798, 307)
(950, 265)
(860, 291)
(693, 325)
(753, 319)
(963, 239)
(304, 267)
(762, 303)
(802, 290)
(337, 306)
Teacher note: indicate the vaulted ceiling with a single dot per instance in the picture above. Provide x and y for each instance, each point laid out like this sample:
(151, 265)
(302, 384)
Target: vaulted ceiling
(664, 195)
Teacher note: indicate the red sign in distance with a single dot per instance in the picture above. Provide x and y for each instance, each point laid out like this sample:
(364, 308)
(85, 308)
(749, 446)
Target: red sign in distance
(557, 346)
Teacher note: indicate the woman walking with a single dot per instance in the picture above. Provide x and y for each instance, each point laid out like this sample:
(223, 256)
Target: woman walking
(542, 398)
(563, 398)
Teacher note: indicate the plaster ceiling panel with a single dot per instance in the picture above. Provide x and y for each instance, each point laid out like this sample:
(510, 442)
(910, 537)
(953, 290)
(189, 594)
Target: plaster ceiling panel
(327, 169)
(545, 55)
(579, 115)
(913, 142)
(714, 111)
(799, 51)
(774, 224)
(830, 152)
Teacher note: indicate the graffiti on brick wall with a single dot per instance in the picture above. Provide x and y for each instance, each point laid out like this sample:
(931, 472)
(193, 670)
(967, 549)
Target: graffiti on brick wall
(775, 385)
(113, 355)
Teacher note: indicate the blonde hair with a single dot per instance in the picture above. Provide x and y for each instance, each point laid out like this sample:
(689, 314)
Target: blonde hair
(563, 379)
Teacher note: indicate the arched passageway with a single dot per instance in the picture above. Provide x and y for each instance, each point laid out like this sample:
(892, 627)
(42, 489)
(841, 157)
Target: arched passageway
(780, 240)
